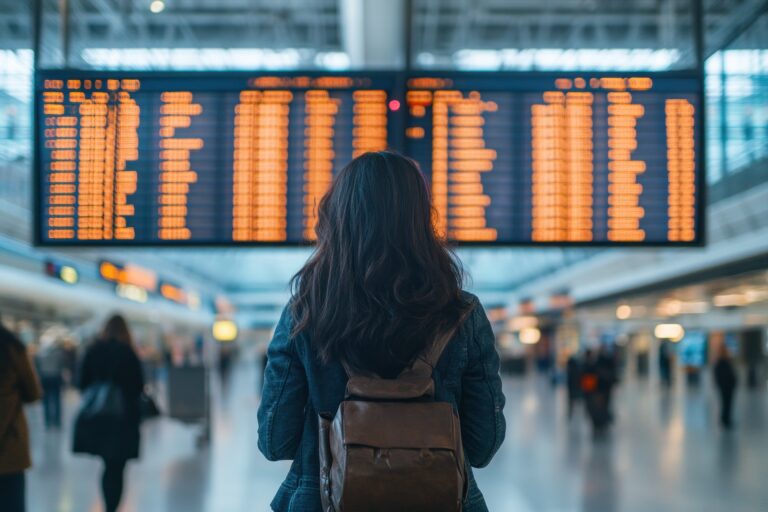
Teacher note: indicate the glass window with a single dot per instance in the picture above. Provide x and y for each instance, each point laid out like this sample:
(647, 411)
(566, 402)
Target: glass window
(737, 109)
(15, 113)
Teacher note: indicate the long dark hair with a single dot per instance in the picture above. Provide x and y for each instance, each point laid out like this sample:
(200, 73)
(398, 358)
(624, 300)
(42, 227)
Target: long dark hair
(116, 329)
(380, 285)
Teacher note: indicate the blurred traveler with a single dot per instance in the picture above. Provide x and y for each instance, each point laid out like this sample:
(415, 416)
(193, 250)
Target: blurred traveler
(18, 386)
(725, 379)
(379, 300)
(606, 377)
(594, 392)
(226, 355)
(108, 424)
(69, 349)
(50, 361)
(665, 364)
(573, 382)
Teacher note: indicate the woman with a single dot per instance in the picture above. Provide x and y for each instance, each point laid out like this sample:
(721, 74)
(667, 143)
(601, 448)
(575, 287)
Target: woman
(378, 289)
(726, 382)
(112, 359)
(18, 386)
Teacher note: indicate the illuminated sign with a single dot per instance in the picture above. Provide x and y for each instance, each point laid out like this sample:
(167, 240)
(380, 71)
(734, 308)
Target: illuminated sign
(128, 274)
(180, 295)
(137, 283)
(66, 273)
(234, 159)
(173, 293)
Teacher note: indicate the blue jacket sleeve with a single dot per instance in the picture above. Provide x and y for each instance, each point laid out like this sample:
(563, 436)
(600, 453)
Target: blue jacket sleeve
(482, 401)
(284, 396)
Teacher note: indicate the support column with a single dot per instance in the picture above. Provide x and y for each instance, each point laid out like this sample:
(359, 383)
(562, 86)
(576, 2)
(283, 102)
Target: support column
(373, 33)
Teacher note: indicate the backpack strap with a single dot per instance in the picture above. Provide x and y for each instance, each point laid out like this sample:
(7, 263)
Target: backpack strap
(413, 382)
(432, 355)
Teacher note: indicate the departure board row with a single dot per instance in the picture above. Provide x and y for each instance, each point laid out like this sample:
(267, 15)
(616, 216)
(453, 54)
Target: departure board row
(239, 158)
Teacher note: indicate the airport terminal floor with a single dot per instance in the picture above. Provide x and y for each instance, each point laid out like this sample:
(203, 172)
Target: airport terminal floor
(665, 452)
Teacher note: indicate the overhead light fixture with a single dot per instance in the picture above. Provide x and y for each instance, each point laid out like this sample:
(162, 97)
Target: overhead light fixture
(694, 307)
(756, 294)
(670, 307)
(477, 59)
(530, 336)
(332, 60)
(157, 6)
(623, 311)
(425, 59)
(671, 332)
(562, 59)
(132, 292)
(730, 300)
(224, 330)
(673, 307)
(68, 274)
(193, 58)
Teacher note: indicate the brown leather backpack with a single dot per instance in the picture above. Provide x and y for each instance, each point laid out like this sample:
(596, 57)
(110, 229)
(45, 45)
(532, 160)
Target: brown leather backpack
(391, 446)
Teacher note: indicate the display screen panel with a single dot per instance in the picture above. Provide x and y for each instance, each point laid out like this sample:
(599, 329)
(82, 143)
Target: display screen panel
(559, 159)
(243, 159)
(197, 158)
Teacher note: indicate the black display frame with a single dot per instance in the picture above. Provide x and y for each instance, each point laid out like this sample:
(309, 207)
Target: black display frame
(396, 138)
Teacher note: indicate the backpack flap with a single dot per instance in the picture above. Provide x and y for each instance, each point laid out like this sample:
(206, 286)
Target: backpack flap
(387, 425)
(414, 382)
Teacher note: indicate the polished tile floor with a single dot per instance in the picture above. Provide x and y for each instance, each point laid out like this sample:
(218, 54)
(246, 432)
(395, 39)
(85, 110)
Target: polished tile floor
(665, 453)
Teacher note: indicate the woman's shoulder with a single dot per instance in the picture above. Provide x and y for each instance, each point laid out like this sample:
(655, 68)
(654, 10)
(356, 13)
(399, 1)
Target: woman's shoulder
(470, 298)
(286, 320)
(474, 307)
(475, 318)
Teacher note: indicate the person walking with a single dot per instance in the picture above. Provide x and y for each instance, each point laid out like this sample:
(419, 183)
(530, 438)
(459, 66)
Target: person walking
(606, 378)
(378, 310)
(726, 381)
(665, 364)
(594, 393)
(573, 382)
(112, 360)
(18, 386)
(50, 365)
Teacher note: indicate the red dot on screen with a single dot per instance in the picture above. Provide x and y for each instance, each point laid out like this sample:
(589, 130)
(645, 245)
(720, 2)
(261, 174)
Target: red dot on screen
(394, 105)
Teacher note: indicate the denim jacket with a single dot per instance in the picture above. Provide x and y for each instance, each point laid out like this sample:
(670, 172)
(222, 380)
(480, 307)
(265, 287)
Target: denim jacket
(297, 386)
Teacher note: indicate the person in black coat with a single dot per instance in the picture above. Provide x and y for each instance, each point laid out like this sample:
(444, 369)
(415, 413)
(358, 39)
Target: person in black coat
(113, 359)
(725, 379)
(606, 378)
(573, 382)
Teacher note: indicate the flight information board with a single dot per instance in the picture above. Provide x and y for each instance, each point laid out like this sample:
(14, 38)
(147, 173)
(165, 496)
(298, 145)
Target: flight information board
(242, 158)
(543, 158)
(197, 158)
